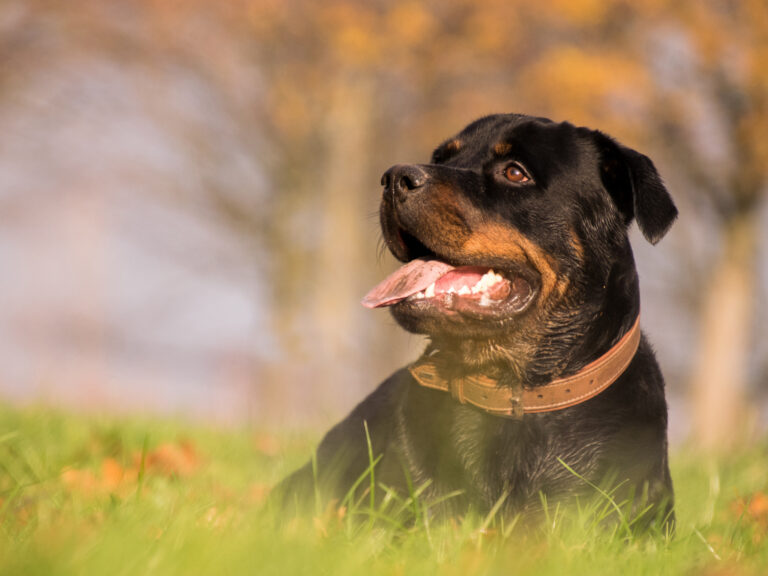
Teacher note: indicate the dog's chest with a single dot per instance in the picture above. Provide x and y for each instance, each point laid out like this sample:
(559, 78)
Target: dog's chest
(456, 447)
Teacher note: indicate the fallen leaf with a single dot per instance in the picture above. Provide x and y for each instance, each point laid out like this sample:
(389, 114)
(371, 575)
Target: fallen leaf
(169, 459)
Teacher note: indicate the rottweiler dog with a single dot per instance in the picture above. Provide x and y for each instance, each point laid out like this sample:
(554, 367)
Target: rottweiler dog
(536, 384)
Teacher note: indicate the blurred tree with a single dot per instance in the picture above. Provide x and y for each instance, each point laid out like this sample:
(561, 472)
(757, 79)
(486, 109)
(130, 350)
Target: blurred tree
(713, 120)
(685, 78)
(320, 98)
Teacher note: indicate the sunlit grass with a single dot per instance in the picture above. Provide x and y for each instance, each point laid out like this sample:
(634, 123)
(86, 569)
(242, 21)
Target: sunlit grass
(82, 495)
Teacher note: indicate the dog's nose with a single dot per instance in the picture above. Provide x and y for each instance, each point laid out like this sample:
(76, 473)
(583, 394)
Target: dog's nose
(402, 179)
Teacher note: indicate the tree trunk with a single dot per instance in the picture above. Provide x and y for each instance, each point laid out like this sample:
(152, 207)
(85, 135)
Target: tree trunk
(720, 376)
(343, 248)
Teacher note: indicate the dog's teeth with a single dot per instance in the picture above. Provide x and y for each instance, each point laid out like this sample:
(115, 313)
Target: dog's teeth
(480, 288)
(484, 300)
(488, 279)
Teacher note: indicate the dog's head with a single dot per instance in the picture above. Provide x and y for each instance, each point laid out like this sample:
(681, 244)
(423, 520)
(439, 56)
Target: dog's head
(516, 232)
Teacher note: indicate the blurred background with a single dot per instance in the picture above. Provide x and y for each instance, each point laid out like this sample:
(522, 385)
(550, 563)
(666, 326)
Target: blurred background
(188, 189)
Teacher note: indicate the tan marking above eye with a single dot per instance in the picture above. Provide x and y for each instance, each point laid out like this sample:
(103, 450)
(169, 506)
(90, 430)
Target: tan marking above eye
(453, 146)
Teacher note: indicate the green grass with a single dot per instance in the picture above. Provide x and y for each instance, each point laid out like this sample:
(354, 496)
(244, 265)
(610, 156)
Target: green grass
(84, 495)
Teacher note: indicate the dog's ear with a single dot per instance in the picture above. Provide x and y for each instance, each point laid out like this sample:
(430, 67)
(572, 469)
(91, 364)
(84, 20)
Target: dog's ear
(636, 187)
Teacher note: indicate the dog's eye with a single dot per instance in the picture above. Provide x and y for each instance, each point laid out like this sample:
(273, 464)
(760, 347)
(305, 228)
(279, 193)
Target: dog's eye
(515, 173)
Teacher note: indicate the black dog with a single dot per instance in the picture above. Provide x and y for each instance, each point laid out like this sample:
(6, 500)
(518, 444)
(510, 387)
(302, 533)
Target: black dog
(537, 380)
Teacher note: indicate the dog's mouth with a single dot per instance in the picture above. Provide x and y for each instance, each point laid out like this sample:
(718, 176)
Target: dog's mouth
(470, 290)
(429, 283)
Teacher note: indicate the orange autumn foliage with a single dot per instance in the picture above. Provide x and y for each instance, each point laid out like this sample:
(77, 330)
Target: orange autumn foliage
(178, 459)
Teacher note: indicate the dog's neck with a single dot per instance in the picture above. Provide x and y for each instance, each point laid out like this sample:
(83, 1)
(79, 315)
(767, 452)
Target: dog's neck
(612, 315)
(555, 347)
(502, 396)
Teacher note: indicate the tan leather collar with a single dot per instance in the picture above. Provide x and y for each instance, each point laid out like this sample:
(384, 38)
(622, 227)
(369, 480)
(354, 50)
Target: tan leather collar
(485, 393)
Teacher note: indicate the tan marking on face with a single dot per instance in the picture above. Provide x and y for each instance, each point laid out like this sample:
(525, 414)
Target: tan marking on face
(502, 241)
(576, 245)
(454, 145)
(502, 148)
(444, 227)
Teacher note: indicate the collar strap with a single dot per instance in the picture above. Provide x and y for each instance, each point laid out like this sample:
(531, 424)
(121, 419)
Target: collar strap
(514, 401)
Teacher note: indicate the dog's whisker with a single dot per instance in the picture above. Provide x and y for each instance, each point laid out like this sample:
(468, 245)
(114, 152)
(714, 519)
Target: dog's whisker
(381, 249)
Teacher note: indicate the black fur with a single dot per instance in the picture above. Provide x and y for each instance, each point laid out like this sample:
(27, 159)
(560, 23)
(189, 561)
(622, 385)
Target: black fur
(583, 191)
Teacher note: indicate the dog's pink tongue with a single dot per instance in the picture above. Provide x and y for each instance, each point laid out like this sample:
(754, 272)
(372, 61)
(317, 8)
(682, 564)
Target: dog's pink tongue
(405, 281)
